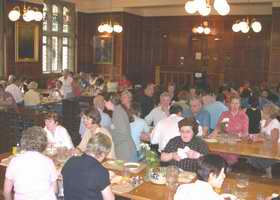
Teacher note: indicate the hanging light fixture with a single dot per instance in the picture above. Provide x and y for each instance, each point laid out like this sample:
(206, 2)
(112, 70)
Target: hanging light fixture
(109, 26)
(203, 7)
(244, 26)
(203, 28)
(28, 14)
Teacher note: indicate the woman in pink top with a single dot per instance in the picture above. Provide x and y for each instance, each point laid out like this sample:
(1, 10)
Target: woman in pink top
(31, 174)
(235, 122)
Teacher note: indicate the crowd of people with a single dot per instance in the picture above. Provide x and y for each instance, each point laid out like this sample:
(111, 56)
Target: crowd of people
(174, 122)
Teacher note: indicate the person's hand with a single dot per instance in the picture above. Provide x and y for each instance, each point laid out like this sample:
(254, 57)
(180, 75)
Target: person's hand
(193, 154)
(175, 157)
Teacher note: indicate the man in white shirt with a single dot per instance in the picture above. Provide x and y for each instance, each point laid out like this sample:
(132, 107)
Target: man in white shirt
(160, 112)
(167, 128)
(14, 90)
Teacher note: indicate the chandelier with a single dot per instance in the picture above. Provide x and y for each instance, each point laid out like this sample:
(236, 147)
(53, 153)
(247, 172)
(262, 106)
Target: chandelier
(245, 25)
(108, 27)
(28, 14)
(203, 7)
(202, 29)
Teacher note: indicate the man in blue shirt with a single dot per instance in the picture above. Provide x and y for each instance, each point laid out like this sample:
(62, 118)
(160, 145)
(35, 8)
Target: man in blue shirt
(215, 109)
(202, 116)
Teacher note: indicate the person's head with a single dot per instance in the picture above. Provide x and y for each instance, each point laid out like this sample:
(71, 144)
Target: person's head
(91, 117)
(183, 95)
(171, 87)
(234, 105)
(195, 104)
(32, 85)
(34, 139)
(66, 73)
(265, 93)
(99, 102)
(211, 169)
(192, 91)
(165, 100)
(270, 111)
(188, 128)
(149, 89)
(246, 84)
(176, 109)
(58, 84)
(136, 108)
(99, 146)
(126, 98)
(208, 98)
(51, 121)
(254, 101)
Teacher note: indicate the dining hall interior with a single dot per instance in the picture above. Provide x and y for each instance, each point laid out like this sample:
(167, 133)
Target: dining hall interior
(142, 100)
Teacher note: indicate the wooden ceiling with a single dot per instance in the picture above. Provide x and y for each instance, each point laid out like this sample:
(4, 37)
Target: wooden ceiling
(169, 7)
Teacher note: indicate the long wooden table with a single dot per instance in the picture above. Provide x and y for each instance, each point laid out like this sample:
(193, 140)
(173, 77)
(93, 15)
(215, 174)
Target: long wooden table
(150, 191)
(247, 148)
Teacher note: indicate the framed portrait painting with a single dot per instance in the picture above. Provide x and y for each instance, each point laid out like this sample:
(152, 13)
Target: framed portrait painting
(26, 42)
(103, 49)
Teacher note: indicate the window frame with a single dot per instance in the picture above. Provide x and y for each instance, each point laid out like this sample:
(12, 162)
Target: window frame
(49, 33)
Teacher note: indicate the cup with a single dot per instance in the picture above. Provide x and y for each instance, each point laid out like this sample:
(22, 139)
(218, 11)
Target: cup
(242, 181)
(172, 173)
(125, 172)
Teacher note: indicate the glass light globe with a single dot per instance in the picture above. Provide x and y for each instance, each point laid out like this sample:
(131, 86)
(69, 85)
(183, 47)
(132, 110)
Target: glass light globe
(14, 15)
(26, 17)
(245, 29)
(194, 30)
(117, 28)
(236, 27)
(190, 7)
(243, 25)
(200, 29)
(222, 7)
(256, 26)
(38, 16)
(31, 14)
(205, 11)
(110, 29)
(101, 28)
(207, 30)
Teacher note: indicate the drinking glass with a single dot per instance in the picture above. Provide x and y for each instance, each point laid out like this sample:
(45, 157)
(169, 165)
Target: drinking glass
(242, 180)
(172, 173)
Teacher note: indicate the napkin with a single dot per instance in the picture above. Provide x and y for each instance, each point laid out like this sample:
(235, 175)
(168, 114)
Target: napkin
(182, 152)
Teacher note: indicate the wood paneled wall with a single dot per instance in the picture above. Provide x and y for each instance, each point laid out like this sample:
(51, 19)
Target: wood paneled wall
(29, 69)
(168, 41)
(274, 69)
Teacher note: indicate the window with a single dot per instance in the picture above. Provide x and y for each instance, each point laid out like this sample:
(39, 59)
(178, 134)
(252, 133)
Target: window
(58, 36)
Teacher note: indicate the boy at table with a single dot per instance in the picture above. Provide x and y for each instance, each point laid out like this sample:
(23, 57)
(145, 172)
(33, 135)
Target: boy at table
(211, 175)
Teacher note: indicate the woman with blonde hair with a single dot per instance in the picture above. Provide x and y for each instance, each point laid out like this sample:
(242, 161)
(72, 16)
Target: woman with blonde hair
(270, 129)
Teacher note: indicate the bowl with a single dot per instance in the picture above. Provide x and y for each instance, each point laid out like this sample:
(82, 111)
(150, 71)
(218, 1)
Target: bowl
(132, 166)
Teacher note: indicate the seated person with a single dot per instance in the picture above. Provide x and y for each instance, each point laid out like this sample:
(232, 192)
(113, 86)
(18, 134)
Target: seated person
(32, 97)
(210, 175)
(185, 150)
(56, 93)
(31, 174)
(84, 177)
(6, 100)
(57, 135)
(91, 119)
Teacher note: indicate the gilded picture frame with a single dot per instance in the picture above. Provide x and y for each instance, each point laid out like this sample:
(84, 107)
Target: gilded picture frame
(26, 42)
(103, 49)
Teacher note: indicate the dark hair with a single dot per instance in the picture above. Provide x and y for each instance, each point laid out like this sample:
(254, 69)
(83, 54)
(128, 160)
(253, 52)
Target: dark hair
(209, 164)
(52, 115)
(136, 108)
(253, 101)
(175, 109)
(189, 121)
(34, 139)
(94, 114)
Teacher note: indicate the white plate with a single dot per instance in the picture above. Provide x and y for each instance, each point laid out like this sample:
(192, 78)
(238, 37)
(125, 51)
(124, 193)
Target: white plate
(132, 166)
(211, 140)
